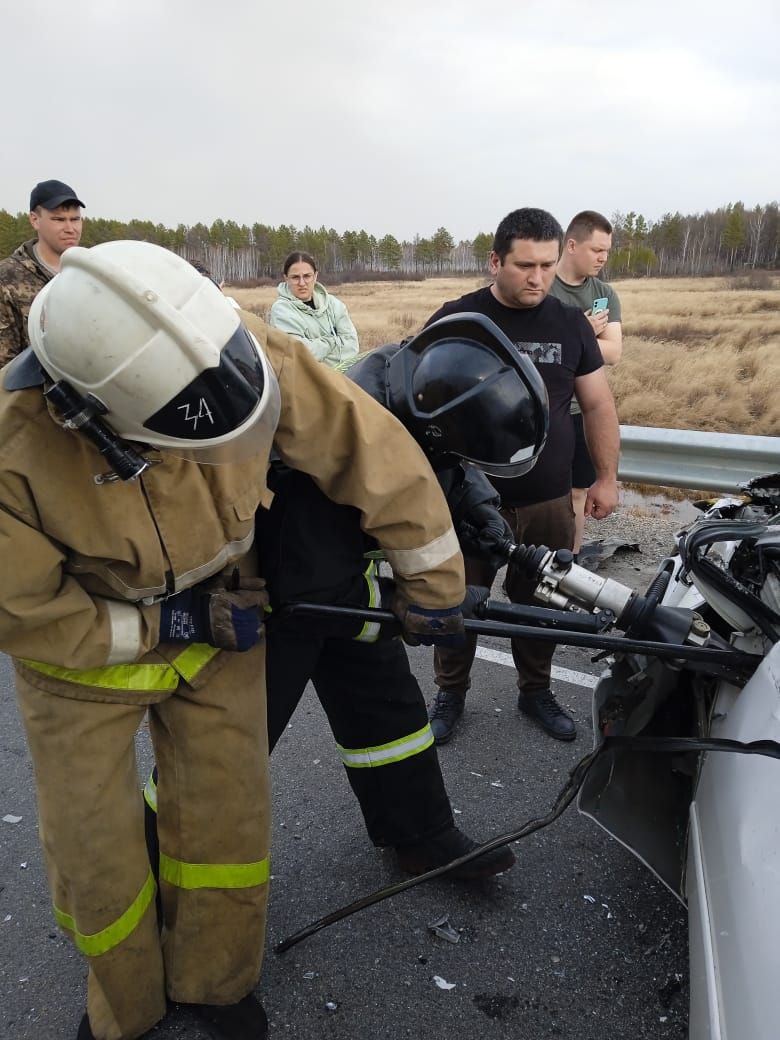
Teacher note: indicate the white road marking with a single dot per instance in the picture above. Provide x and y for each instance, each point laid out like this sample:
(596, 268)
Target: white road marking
(563, 674)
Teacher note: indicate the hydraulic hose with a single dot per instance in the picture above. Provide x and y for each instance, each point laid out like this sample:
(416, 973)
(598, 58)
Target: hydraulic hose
(660, 745)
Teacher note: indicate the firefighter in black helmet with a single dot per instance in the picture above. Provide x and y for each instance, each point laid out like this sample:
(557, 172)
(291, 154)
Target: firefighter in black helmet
(469, 398)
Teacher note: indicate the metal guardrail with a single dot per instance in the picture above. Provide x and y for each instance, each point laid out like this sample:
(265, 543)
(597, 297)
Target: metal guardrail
(691, 459)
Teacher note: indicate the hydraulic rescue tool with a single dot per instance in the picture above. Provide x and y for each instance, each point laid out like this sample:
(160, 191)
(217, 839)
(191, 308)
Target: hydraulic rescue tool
(579, 609)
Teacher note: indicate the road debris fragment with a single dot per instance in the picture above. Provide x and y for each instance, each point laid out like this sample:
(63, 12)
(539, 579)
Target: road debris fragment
(444, 930)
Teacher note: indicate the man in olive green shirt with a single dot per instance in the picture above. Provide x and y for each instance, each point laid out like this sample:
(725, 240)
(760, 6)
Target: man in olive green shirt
(586, 247)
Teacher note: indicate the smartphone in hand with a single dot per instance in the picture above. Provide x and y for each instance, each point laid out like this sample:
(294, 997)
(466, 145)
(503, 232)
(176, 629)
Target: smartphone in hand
(599, 305)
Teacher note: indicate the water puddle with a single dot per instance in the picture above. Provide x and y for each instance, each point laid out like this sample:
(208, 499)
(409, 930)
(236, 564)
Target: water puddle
(654, 502)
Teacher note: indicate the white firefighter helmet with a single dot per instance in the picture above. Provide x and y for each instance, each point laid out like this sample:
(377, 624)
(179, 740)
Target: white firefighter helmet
(136, 328)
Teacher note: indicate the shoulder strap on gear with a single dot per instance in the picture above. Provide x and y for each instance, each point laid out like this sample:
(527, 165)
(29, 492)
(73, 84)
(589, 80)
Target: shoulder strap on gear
(23, 372)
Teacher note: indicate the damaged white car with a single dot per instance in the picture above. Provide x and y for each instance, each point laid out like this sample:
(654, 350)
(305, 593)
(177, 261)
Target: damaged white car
(686, 766)
(708, 823)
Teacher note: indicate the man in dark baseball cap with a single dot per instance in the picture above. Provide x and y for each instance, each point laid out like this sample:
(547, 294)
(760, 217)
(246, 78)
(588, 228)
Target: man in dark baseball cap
(52, 195)
(55, 214)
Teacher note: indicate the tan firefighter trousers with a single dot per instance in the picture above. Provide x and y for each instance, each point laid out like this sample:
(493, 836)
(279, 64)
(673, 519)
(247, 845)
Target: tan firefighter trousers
(213, 820)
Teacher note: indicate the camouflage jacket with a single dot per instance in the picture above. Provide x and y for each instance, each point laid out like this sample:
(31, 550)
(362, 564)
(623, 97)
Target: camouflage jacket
(22, 277)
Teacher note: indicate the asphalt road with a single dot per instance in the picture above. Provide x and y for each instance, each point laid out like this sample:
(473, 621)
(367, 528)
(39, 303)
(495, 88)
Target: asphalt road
(577, 941)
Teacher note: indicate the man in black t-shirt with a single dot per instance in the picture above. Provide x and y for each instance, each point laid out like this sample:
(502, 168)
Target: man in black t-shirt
(537, 506)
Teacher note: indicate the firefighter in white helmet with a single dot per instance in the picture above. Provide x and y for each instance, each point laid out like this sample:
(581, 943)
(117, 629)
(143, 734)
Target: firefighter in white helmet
(130, 586)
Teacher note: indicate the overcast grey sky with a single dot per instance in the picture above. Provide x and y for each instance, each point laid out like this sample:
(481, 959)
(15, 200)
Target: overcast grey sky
(397, 117)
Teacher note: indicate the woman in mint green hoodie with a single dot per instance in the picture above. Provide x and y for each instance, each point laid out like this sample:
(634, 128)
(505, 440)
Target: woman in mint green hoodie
(307, 311)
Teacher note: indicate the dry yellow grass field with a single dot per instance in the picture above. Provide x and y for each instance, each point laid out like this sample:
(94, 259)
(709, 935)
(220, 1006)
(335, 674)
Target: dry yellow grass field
(698, 354)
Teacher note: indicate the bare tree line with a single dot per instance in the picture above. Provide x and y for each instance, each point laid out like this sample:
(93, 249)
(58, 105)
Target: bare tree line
(714, 242)
(718, 242)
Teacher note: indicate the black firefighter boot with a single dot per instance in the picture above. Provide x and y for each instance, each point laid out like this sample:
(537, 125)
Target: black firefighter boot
(85, 1030)
(85, 1033)
(447, 846)
(445, 714)
(245, 1020)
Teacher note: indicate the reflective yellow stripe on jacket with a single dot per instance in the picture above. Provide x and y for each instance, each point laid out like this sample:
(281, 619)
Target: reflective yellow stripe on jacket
(386, 754)
(111, 936)
(369, 633)
(160, 677)
(150, 792)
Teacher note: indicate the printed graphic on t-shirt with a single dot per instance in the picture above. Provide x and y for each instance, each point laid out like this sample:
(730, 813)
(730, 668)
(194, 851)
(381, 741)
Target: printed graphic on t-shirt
(542, 353)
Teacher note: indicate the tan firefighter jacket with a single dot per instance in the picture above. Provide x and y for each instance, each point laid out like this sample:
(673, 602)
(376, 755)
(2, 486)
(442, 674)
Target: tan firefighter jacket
(82, 564)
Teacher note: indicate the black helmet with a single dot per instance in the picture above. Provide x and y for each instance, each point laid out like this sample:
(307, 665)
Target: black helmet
(466, 393)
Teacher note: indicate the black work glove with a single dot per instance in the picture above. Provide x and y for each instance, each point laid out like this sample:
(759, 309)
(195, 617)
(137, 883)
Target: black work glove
(230, 619)
(427, 627)
(475, 595)
(482, 532)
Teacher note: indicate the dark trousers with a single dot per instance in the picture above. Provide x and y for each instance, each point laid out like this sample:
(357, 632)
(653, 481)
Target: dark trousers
(544, 523)
(371, 699)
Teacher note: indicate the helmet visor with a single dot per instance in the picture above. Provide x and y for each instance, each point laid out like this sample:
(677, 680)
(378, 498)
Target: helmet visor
(219, 400)
(480, 409)
(518, 465)
(466, 393)
(227, 413)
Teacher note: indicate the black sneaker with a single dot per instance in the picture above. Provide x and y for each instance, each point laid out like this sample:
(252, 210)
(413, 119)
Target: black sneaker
(450, 845)
(445, 712)
(543, 707)
(245, 1020)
